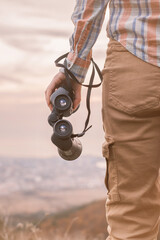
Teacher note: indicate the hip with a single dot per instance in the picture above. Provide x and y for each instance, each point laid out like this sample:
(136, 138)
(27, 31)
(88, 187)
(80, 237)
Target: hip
(130, 83)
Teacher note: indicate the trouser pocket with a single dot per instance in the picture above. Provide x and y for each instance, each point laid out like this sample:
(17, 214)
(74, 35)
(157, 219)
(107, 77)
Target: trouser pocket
(111, 176)
(134, 85)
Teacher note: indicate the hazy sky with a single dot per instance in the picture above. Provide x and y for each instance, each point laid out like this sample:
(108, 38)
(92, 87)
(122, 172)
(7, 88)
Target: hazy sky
(33, 34)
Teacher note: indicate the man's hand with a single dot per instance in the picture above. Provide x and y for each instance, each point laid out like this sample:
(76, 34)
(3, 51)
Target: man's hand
(57, 82)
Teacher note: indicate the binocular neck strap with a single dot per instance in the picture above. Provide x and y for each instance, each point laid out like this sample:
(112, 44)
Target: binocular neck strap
(69, 75)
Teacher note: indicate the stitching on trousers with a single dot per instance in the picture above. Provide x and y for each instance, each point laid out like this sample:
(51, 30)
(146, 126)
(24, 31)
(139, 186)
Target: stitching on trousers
(116, 102)
(113, 193)
(136, 108)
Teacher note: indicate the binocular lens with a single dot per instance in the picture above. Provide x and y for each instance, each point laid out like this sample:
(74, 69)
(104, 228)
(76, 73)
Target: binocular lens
(63, 128)
(62, 102)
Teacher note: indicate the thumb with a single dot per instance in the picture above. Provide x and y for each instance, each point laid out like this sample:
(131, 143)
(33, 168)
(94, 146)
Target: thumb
(77, 100)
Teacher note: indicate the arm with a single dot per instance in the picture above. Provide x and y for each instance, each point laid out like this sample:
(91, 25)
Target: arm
(88, 17)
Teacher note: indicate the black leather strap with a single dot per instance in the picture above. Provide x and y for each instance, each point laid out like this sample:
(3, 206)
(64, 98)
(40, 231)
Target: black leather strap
(69, 74)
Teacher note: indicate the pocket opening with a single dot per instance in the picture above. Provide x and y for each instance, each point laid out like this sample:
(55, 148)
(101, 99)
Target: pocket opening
(111, 176)
(151, 104)
(129, 91)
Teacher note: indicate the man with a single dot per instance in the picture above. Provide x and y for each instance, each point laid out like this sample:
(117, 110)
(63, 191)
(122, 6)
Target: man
(130, 108)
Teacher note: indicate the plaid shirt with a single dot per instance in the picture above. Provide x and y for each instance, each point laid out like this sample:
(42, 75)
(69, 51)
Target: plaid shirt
(134, 23)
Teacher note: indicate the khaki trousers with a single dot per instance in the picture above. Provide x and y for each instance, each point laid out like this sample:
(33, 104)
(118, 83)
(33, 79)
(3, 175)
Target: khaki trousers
(131, 123)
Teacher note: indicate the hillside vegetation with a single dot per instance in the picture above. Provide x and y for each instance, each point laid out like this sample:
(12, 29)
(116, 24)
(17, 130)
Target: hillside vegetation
(87, 222)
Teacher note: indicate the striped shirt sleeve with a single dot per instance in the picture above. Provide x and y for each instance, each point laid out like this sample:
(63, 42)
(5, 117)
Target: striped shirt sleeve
(87, 17)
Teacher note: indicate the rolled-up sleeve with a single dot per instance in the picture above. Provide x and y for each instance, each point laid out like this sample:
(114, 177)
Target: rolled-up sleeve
(87, 17)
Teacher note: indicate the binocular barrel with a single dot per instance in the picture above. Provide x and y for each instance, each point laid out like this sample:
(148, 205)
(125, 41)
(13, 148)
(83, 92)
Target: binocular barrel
(69, 148)
(62, 132)
(74, 152)
(61, 100)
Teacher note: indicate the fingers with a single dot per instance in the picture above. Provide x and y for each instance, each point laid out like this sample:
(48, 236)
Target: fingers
(50, 89)
(54, 84)
(48, 93)
(77, 98)
(50, 107)
(76, 101)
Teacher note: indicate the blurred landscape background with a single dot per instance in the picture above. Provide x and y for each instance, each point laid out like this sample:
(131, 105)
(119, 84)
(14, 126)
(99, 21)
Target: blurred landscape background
(43, 197)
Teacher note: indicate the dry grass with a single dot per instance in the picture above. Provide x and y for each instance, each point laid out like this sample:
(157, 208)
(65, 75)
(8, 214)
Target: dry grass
(30, 231)
(84, 223)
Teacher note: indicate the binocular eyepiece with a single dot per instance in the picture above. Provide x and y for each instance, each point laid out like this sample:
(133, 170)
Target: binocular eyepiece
(69, 147)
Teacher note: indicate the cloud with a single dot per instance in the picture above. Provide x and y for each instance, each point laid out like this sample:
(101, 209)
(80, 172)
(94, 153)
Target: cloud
(4, 79)
(8, 31)
(31, 39)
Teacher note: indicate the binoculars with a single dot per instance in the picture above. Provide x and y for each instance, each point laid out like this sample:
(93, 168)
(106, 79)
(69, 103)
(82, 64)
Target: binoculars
(69, 146)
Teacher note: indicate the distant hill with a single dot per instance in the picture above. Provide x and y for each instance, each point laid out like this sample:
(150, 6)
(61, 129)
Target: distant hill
(86, 222)
(88, 219)
(30, 185)
(51, 174)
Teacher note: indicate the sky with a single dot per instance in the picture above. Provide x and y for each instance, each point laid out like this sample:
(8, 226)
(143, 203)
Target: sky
(33, 34)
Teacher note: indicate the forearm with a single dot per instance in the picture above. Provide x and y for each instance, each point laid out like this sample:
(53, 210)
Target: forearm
(87, 17)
